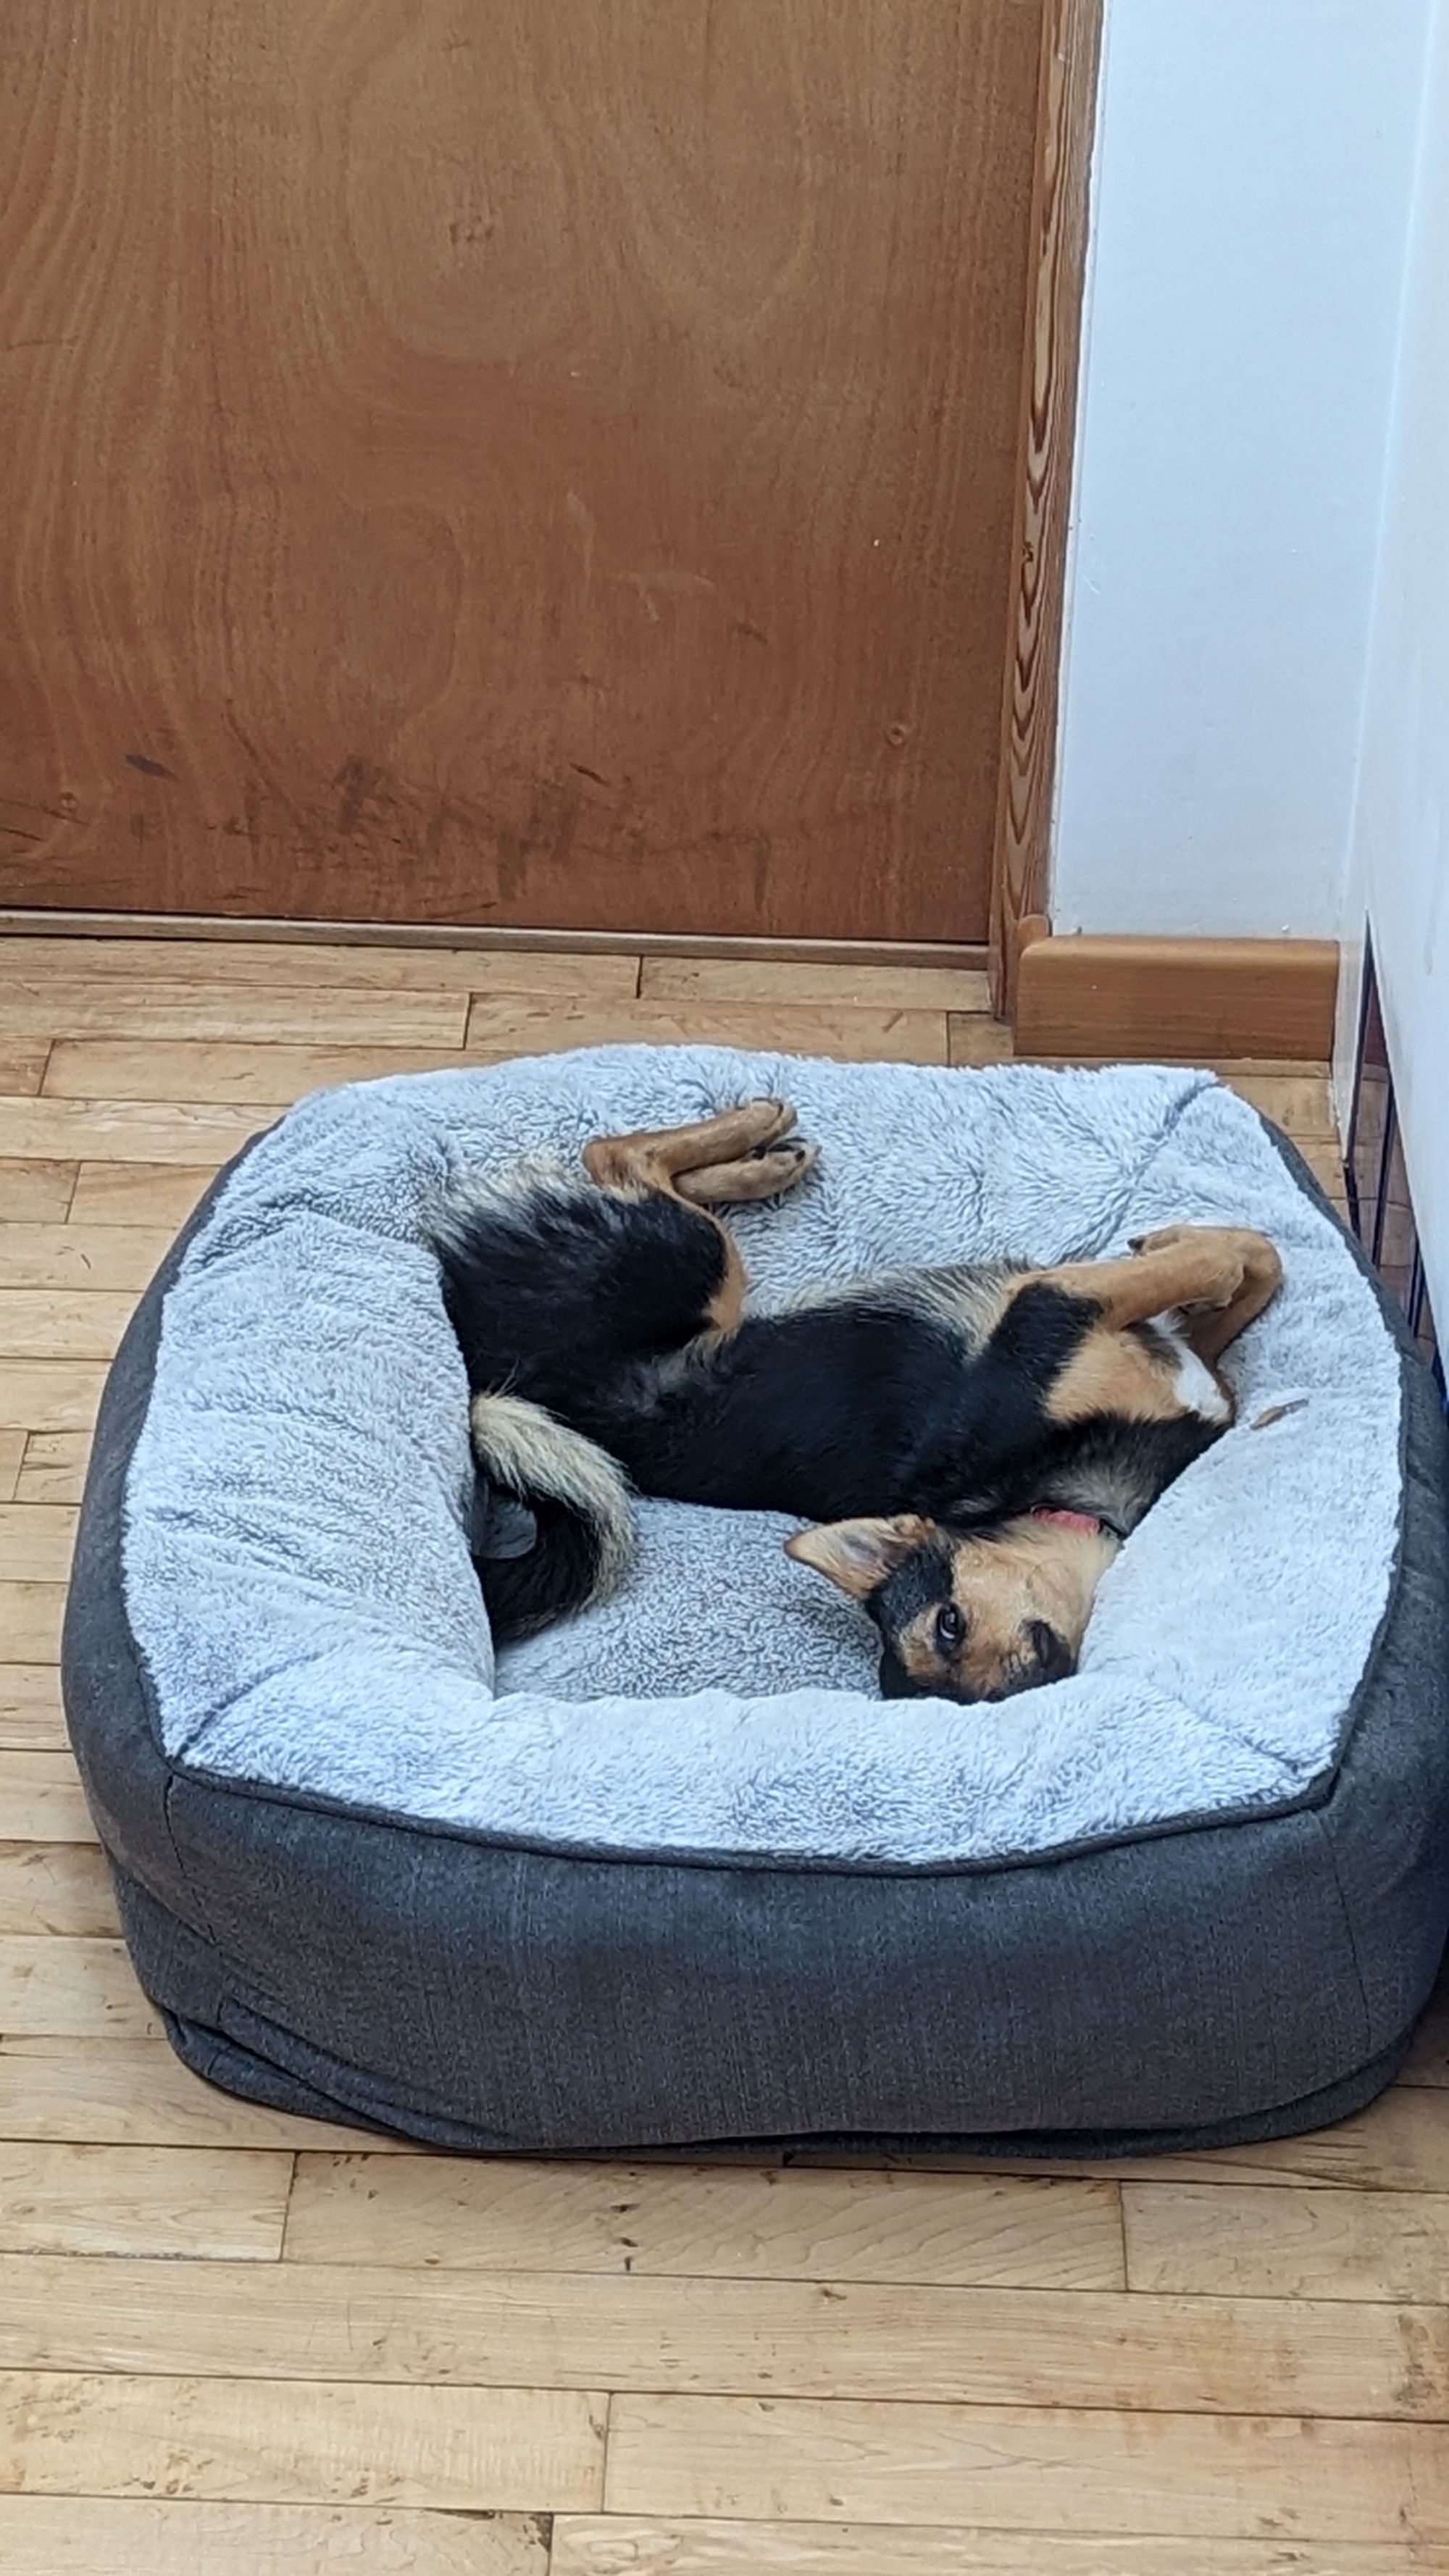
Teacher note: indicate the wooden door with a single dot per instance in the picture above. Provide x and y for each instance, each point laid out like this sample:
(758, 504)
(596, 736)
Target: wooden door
(535, 462)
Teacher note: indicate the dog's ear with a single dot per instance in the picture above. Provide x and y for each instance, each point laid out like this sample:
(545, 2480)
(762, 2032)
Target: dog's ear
(858, 1555)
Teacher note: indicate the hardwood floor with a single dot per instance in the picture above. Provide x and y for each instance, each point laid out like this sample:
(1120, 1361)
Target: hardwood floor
(236, 2344)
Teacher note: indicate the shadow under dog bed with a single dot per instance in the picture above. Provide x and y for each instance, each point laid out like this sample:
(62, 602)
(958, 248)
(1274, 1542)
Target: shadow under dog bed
(672, 1874)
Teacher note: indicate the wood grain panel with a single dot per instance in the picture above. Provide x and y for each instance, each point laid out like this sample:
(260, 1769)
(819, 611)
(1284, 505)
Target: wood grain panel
(1075, 2350)
(619, 2544)
(142, 1005)
(806, 1028)
(1228, 2477)
(57, 1887)
(81, 1256)
(12, 1453)
(566, 478)
(221, 1070)
(31, 1720)
(71, 1989)
(794, 980)
(1066, 116)
(138, 1194)
(302, 2443)
(48, 1395)
(53, 1470)
(145, 2536)
(142, 2200)
(21, 1065)
(1206, 2240)
(61, 1324)
(645, 2219)
(309, 967)
(36, 1193)
(41, 1799)
(124, 1131)
(1401, 2143)
(36, 1541)
(1190, 1001)
(136, 2093)
(30, 1620)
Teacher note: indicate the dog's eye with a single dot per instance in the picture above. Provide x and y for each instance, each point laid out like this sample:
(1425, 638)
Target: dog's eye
(950, 1629)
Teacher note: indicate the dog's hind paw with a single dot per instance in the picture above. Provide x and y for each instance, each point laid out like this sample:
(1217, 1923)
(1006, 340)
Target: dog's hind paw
(766, 1173)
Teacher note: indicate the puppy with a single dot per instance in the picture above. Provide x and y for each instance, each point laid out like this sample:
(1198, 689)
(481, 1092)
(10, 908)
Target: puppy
(975, 1441)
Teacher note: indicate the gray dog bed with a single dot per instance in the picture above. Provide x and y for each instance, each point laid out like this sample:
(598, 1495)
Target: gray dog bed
(672, 1873)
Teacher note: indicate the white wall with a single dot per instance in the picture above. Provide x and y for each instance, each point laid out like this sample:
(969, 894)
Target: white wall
(1251, 196)
(1400, 865)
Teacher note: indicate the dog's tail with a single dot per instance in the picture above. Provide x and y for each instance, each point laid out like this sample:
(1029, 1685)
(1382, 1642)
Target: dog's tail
(552, 1526)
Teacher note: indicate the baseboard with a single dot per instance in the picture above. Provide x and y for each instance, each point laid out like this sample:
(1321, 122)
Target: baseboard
(21, 923)
(1177, 1000)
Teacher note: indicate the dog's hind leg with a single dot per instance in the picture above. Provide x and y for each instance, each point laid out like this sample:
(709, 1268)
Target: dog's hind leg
(1209, 1272)
(716, 1162)
(1211, 1327)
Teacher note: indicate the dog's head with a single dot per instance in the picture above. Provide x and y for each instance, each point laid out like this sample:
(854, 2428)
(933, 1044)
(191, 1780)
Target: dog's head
(967, 1614)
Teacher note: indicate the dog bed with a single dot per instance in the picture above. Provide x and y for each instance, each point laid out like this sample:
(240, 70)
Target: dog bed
(672, 1873)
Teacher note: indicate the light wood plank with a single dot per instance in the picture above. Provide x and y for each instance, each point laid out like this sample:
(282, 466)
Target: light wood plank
(125, 1131)
(53, 1470)
(1301, 1104)
(227, 2204)
(317, 966)
(56, 1887)
(974, 1040)
(1240, 2240)
(1228, 2477)
(37, 1541)
(622, 2545)
(788, 981)
(21, 1067)
(1401, 2143)
(874, 1036)
(12, 1452)
(47, 1005)
(82, 1256)
(138, 1194)
(307, 2443)
(114, 2536)
(729, 2223)
(36, 1193)
(41, 1800)
(136, 2092)
(71, 1989)
(216, 1069)
(1063, 2349)
(30, 1622)
(31, 1718)
(49, 1395)
(62, 1323)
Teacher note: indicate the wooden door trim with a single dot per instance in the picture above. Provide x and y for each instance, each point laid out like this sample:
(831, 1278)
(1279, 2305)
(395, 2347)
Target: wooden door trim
(1194, 1001)
(30, 921)
(1066, 123)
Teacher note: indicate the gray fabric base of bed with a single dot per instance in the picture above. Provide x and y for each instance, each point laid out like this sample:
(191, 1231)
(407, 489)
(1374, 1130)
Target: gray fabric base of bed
(479, 1962)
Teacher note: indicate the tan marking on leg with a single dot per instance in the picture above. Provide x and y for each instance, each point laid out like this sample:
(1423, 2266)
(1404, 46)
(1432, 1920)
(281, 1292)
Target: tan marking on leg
(1183, 1266)
(1109, 1373)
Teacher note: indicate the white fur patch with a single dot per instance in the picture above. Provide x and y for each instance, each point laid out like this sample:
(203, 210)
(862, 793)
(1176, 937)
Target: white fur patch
(1193, 1384)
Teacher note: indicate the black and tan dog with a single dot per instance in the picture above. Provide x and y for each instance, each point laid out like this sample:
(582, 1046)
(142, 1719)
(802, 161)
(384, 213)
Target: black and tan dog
(976, 1441)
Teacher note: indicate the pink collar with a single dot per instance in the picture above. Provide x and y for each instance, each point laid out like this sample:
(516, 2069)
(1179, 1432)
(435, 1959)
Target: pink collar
(1087, 1521)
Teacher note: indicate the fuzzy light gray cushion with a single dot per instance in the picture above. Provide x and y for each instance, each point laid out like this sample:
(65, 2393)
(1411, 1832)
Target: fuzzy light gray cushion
(297, 1578)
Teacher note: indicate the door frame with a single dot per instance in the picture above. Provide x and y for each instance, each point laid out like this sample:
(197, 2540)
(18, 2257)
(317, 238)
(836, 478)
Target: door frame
(1071, 51)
